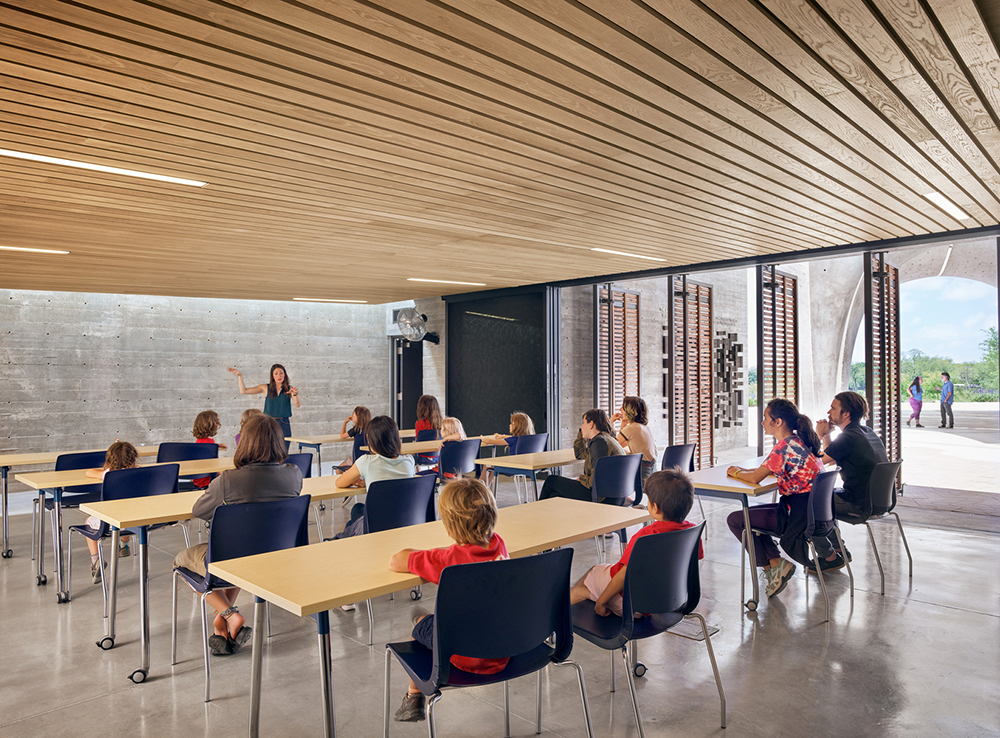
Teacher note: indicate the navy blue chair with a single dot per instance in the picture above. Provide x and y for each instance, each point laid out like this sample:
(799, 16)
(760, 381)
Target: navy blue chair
(662, 578)
(69, 496)
(121, 484)
(303, 461)
(681, 456)
(613, 479)
(458, 457)
(879, 505)
(430, 459)
(397, 503)
(521, 445)
(356, 451)
(245, 529)
(169, 452)
(519, 603)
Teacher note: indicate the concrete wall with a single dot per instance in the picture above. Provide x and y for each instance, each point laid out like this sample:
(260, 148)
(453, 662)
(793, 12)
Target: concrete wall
(435, 357)
(79, 370)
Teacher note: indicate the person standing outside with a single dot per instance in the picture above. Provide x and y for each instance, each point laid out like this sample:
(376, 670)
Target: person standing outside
(916, 390)
(280, 395)
(947, 398)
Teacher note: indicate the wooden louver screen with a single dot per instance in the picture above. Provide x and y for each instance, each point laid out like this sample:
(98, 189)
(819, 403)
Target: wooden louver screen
(690, 367)
(778, 341)
(617, 347)
(883, 381)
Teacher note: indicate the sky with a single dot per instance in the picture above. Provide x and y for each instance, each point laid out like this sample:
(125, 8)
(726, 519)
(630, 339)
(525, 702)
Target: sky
(943, 316)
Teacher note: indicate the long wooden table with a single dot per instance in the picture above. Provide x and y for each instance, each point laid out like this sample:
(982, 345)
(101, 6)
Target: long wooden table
(316, 443)
(531, 462)
(714, 482)
(33, 459)
(57, 482)
(142, 512)
(311, 580)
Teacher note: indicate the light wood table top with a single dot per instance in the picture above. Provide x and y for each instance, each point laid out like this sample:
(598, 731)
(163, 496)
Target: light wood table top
(416, 447)
(540, 460)
(136, 511)
(78, 477)
(335, 438)
(311, 579)
(49, 457)
(715, 479)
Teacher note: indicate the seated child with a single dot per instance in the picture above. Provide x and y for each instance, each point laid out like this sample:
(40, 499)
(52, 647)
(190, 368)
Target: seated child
(121, 455)
(247, 414)
(451, 431)
(671, 496)
(206, 425)
(469, 514)
(360, 418)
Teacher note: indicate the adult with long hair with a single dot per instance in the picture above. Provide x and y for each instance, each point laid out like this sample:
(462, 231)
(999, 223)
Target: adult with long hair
(636, 438)
(595, 440)
(916, 391)
(795, 461)
(280, 395)
(260, 475)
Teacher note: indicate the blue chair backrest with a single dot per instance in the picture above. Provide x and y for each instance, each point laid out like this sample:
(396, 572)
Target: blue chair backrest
(530, 444)
(145, 481)
(519, 603)
(186, 452)
(359, 441)
(882, 487)
(459, 457)
(680, 456)
(662, 575)
(397, 503)
(820, 510)
(81, 460)
(429, 434)
(304, 461)
(614, 476)
(251, 528)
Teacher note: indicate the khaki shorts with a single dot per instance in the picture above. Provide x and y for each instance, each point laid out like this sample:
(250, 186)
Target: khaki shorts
(596, 581)
(194, 559)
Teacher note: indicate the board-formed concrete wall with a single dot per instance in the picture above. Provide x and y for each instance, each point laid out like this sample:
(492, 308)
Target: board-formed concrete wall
(79, 370)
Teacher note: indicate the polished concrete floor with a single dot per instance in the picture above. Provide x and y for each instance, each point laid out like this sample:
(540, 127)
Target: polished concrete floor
(922, 660)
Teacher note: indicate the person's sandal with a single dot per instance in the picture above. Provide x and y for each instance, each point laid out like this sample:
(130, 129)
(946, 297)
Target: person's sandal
(219, 645)
(243, 635)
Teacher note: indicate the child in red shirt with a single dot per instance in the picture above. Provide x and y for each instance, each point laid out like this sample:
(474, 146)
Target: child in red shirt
(469, 514)
(206, 425)
(671, 496)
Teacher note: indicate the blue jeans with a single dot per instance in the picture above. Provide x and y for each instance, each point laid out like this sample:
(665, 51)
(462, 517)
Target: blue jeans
(286, 430)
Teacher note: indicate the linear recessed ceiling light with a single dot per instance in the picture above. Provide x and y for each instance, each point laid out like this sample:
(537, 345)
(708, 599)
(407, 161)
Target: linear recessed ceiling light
(624, 253)
(324, 299)
(947, 205)
(100, 168)
(445, 281)
(36, 251)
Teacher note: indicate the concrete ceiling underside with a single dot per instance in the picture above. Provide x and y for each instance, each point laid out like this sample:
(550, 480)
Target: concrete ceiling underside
(350, 145)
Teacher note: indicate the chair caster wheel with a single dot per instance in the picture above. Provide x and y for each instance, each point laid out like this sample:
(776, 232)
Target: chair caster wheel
(751, 605)
(106, 643)
(639, 670)
(6, 554)
(415, 595)
(322, 506)
(62, 598)
(138, 676)
(41, 579)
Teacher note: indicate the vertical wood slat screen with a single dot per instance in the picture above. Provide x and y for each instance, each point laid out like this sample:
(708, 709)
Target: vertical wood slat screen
(779, 375)
(690, 367)
(883, 378)
(617, 365)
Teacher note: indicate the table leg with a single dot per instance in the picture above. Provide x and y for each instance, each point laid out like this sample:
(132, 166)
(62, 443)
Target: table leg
(5, 552)
(108, 641)
(40, 576)
(139, 675)
(61, 594)
(753, 557)
(326, 673)
(255, 666)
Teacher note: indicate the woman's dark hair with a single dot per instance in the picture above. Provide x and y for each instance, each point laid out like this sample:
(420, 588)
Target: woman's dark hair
(383, 436)
(635, 410)
(785, 411)
(854, 405)
(364, 416)
(600, 420)
(428, 409)
(916, 383)
(272, 390)
(261, 442)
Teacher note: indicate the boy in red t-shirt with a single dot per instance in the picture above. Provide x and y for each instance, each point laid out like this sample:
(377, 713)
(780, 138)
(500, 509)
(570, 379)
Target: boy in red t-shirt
(206, 425)
(469, 514)
(671, 495)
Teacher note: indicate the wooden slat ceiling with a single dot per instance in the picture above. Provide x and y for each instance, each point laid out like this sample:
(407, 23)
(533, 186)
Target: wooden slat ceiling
(349, 145)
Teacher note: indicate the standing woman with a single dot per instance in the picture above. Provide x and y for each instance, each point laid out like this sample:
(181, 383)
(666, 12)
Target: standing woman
(916, 391)
(280, 396)
(635, 436)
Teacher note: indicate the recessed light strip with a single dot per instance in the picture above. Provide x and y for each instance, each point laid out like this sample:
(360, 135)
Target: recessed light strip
(325, 299)
(947, 205)
(625, 253)
(100, 168)
(445, 281)
(35, 251)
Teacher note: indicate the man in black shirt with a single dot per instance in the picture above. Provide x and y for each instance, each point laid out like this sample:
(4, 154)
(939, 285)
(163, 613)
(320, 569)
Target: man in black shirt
(856, 451)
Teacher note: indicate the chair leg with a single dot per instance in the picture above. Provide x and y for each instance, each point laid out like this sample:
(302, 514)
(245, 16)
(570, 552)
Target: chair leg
(611, 653)
(34, 526)
(204, 633)
(631, 689)
(583, 695)
(319, 523)
(173, 622)
(506, 709)
(385, 706)
(538, 702)
(69, 568)
(371, 623)
(429, 714)
(715, 666)
(843, 552)
(822, 583)
(55, 542)
(905, 544)
(878, 560)
(187, 534)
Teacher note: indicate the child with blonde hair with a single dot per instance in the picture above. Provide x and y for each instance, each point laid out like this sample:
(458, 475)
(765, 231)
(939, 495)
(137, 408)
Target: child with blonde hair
(247, 414)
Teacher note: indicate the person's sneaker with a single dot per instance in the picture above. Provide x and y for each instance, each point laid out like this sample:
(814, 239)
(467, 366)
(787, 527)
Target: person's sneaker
(919, 426)
(124, 551)
(95, 571)
(412, 709)
(837, 563)
(908, 420)
(781, 575)
(349, 608)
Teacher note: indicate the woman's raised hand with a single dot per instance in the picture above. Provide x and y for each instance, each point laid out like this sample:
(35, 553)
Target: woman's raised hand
(293, 391)
(236, 371)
